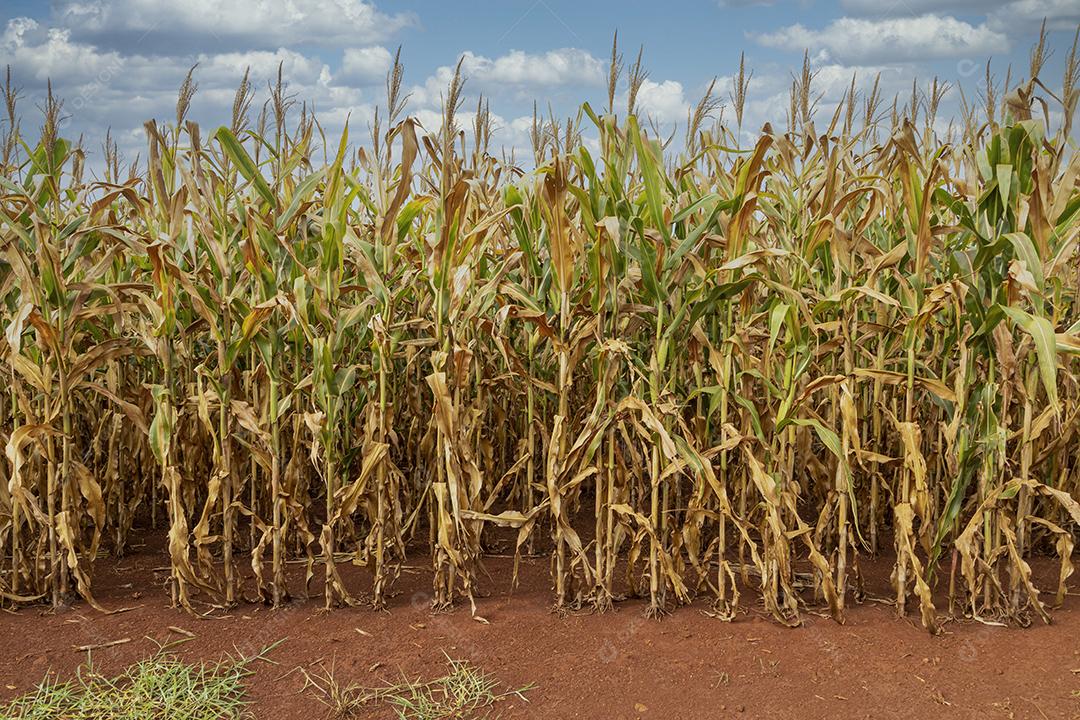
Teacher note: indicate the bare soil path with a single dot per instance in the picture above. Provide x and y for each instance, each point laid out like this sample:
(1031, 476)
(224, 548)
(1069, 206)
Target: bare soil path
(612, 666)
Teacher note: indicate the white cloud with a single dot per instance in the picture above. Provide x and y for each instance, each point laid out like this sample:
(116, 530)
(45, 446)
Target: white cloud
(518, 132)
(258, 23)
(1059, 14)
(833, 81)
(664, 102)
(119, 62)
(227, 68)
(37, 54)
(365, 66)
(925, 37)
(40, 53)
(769, 93)
(106, 89)
(566, 66)
(1006, 16)
(15, 32)
(526, 73)
(913, 7)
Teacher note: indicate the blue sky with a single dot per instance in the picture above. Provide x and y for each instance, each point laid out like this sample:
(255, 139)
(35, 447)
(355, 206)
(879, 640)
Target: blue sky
(119, 62)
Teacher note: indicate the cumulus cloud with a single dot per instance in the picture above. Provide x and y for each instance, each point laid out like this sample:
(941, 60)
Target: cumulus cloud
(769, 92)
(834, 80)
(664, 102)
(529, 73)
(565, 66)
(119, 62)
(227, 68)
(365, 66)
(1006, 16)
(925, 37)
(39, 53)
(1059, 14)
(209, 24)
(914, 7)
(103, 88)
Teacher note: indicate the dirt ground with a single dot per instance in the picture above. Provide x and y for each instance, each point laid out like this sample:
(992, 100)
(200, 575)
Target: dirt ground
(617, 665)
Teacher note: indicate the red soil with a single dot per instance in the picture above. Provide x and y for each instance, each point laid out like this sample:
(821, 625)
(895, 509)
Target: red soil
(614, 665)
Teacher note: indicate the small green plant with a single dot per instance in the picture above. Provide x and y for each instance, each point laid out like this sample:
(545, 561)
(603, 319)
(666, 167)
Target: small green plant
(463, 693)
(159, 688)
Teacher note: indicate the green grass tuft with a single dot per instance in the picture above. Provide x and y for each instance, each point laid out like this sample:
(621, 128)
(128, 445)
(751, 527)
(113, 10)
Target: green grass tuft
(160, 688)
(464, 693)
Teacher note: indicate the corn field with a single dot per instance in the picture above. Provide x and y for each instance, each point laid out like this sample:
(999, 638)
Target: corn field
(709, 370)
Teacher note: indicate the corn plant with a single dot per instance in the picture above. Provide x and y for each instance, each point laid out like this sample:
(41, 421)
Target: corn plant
(728, 372)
